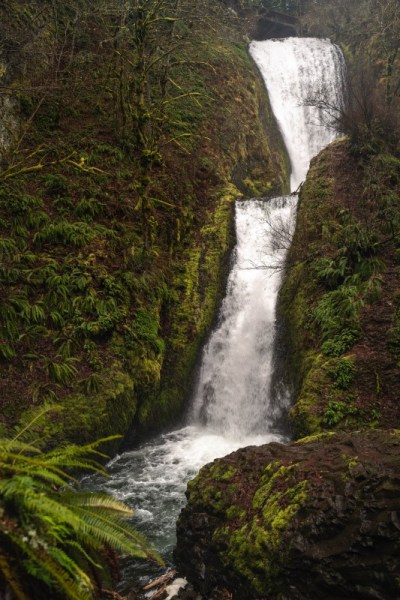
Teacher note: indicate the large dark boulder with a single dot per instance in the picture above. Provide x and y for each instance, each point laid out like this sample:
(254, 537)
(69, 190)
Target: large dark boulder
(317, 519)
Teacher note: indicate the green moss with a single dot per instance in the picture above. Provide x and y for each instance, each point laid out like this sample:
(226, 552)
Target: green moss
(235, 512)
(257, 549)
(257, 188)
(221, 472)
(252, 540)
(350, 461)
(84, 418)
(315, 437)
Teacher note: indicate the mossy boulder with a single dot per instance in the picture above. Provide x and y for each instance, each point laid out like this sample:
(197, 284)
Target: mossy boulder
(318, 518)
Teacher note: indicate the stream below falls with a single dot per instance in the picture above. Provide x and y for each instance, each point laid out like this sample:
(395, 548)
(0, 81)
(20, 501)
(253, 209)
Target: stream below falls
(233, 404)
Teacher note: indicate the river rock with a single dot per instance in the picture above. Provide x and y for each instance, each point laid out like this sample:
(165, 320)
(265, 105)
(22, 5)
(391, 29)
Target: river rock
(315, 519)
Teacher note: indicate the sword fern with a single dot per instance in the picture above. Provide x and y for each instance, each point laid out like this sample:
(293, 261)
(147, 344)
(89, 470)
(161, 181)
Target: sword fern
(53, 537)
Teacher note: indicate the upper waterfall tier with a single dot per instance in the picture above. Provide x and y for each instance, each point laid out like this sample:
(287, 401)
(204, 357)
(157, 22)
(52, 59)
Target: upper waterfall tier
(296, 71)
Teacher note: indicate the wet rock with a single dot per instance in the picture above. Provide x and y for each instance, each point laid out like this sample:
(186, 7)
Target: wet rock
(315, 519)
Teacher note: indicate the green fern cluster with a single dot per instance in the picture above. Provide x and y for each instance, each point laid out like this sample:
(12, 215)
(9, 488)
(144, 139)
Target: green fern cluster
(352, 277)
(53, 537)
(336, 411)
(51, 303)
(343, 372)
(65, 233)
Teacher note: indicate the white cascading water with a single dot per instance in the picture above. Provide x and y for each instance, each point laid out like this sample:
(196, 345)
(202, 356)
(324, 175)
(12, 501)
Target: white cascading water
(295, 71)
(231, 406)
(232, 395)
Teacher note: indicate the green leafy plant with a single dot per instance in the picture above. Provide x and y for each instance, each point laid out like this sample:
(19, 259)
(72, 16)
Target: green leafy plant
(338, 310)
(35, 220)
(53, 537)
(338, 344)
(56, 184)
(336, 411)
(64, 233)
(331, 272)
(64, 371)
(7, 352)
(8, 320)
(343, 373)
(92, 384)
(89, 208)
(7, 247)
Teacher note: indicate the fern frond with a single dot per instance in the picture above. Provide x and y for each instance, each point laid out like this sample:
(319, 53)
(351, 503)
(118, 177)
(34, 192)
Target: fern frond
(75, 451)
(47, 523)
(62, 372)
(7, 246)
(54, 476)
(7, 352)
(43, 411)
(97, 500)
(104, 527)
(70, 566)
(11, 577)
(42, 565)
(16, 446)
(81, 550)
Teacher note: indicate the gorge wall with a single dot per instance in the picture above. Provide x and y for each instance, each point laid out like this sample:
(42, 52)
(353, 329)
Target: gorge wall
(114, 251)
(339, 302)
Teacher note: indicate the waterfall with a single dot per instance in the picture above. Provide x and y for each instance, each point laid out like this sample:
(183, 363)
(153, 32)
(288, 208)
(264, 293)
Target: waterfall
(231, 405)
(295, 71)
(232, 395)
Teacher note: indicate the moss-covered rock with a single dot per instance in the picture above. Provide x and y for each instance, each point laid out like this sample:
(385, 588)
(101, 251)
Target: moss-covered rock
(339, 296)
(81, 418)
(314, 519)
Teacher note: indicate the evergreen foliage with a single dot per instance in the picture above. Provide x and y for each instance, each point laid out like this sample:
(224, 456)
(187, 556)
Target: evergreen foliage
(52, 536)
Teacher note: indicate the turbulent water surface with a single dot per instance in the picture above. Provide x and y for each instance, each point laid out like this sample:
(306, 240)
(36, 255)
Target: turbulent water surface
(231, 406)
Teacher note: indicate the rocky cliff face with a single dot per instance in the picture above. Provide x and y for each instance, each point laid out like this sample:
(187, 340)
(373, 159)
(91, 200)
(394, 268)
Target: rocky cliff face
(315, 519)
(339, 304)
